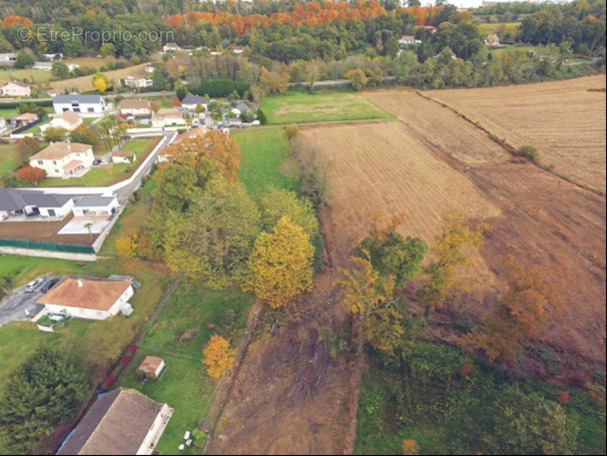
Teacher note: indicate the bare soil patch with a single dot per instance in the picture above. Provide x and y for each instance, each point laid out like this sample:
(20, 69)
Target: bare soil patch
(44, 231)
(564, 119)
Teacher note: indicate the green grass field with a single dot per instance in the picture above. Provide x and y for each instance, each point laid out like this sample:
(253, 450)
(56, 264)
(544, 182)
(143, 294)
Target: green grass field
(190, 318)
(7, 113)
(31, 75)
(8, 158)
(322, 107)
(263, 151)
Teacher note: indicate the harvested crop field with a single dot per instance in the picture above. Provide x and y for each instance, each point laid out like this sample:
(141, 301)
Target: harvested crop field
(381, 167)
(440, 127)
(564, 119)
(44, 231)
(540, 218)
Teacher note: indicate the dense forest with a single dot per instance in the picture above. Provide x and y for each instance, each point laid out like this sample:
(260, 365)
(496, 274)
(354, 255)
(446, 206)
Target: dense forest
(324, 40)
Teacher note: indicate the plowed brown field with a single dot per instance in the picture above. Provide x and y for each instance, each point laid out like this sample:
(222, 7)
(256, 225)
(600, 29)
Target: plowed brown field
(563, 119)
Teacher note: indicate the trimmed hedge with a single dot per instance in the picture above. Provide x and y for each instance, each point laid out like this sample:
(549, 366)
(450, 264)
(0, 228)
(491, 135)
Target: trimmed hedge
(217, 88)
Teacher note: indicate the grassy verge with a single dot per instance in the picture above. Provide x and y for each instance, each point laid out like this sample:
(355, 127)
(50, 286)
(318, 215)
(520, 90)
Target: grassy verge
(8, 158)
(190, 318)
(441, 406)
(263, 151)
(321, 107)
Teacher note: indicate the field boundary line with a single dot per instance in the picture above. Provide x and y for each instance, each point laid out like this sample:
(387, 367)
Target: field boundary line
(509, 147)
(223, 392)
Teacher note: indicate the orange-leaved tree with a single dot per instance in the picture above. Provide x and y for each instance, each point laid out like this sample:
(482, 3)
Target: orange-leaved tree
(32, 174)
(410, 447)
(214, 145)
(126, 245)
(448, 255)
(358, 78)
(518, 315)
(218, 356)
(281, 264)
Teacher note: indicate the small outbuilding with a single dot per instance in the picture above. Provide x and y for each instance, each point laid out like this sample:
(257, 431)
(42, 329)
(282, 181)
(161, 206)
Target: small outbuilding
(151, 367)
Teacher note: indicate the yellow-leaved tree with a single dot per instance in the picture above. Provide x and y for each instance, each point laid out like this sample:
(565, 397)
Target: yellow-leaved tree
(101, 82)
(126, 245)
(281, 264)
(218, 356)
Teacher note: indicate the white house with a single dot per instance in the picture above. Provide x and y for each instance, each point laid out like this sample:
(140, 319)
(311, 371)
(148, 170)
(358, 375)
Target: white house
(149, 68)
(16, 89)
(492, 40)
(190, 101)
(123, 156)
(8, 58)
(135, 107)
(18, 202)
(96, 206)
(93, 299)
(85, 104)
(45, 66)
(167, 117)
(137, 83)
(409, 39)
(64, 159)
(170, 47)
(68, 120)
(122, 421)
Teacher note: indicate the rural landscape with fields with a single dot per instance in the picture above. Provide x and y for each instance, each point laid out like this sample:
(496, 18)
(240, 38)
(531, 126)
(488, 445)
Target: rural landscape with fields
(302, 227)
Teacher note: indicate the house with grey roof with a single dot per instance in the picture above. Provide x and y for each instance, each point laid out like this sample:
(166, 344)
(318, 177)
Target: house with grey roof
(19, 203)
(98, 206)
(122, 421)
(84, 104)
(190, 101)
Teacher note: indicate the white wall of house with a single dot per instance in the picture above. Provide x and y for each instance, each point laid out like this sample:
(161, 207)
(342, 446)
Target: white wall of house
(167, 121)
(136, 111)
(92, 314)
(82, 108)
(61, 123)
(120, 159)
(14, 90)
(59, 212)
(155, 432)
(54, 168)
(97, 211)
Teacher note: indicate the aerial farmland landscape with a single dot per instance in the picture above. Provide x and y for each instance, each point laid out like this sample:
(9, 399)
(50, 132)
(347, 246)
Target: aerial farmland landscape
(301, 227)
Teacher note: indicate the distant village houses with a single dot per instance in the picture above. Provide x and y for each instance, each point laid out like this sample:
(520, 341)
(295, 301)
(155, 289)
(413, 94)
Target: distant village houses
(16, 89)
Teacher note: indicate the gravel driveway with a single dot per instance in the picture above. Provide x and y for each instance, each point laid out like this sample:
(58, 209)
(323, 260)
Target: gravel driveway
(15, 305)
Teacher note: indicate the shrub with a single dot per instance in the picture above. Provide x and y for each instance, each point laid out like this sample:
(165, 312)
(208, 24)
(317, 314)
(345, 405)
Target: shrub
(292, 131)
(530, 152)
(261, 117)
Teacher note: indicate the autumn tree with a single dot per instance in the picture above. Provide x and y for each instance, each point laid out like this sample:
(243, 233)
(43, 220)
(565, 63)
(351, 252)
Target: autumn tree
(54, 134)
(281, 264)
(27, 147)
(278, 202)
(84, 135)
(214, 145)
(126, 245)
(101, 82)
(212, 240)
(108, 50)
(410, 447)
(358, 78)
(32, 174)
(518, 315)
(272, 82)
(292, 131)
(219, 357)
(366, 292)
(447, 253)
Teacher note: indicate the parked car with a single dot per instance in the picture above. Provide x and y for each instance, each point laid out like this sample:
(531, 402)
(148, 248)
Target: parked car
(48, 285)
(33, 285)
(104, 161)
(96, 162)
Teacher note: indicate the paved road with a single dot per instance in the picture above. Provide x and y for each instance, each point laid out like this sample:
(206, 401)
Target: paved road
(14, 306)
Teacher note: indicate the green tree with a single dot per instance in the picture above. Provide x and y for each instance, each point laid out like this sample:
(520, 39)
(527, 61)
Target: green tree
(158, 81)
(27, 147)
(277, 202)
(84, 135)
(521, 423)
(60, 70)
(108, 50)
(212, 241)
(281, 264)
(54, 134)
(24, 60)
(42, 393)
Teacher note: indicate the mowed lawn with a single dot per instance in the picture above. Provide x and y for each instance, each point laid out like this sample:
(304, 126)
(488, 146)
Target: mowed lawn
(31, 75)
(8, 158)
(191, 316)
(101, 175)
(322, 107)
(263, 152)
